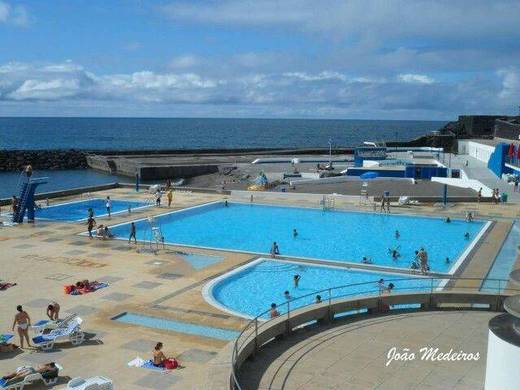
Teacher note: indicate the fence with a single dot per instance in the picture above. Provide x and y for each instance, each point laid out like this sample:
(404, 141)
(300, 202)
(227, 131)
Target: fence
(433, 293)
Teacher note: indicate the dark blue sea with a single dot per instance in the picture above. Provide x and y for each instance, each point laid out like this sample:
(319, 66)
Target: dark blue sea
(191, 133)
(183, 133)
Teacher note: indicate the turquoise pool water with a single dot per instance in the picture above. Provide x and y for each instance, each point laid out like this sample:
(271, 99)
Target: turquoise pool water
(503, 264)
(176, 326)
(328, 235)
(251, 290)
(77, 211)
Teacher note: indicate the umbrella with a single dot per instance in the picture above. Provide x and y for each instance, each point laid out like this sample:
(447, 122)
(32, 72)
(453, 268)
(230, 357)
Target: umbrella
(369, 175)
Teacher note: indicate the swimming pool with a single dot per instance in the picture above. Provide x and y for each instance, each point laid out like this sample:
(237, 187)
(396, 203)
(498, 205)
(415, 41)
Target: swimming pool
(250, 290)
(78, 210)
(503, 263)
(328, 235)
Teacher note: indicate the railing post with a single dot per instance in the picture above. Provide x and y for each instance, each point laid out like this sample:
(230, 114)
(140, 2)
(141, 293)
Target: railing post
(288, 318)
(256, 334)
(329, 310)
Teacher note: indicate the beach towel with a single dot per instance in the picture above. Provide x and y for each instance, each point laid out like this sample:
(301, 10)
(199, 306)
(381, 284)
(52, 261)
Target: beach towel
(148, 364)
(72, 290)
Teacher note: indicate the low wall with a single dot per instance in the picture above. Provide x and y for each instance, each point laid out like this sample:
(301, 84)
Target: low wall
(258, 333)
(62, 193)
(15, 160)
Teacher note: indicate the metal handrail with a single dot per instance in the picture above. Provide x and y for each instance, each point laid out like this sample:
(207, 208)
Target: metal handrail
(259, 321)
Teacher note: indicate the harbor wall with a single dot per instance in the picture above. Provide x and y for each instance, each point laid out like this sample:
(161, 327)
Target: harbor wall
(15, 160)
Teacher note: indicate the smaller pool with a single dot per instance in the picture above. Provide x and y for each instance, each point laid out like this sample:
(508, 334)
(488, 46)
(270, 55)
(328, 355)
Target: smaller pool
(504, 261)
(250, 290)
(176, 326)
(78, 210)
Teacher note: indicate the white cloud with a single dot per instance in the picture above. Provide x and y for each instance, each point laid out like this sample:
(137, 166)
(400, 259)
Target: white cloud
(510, 83)
(185, 61)
(370, 19)
(16, 15)
(276, 93)
(416, 78)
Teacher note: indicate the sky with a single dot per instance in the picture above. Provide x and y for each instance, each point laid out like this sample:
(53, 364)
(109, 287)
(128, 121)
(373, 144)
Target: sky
(362, 59)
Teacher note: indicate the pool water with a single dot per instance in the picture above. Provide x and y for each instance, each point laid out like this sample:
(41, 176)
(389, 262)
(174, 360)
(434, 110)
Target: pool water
(177, 326)
(77, 211)
(328, 235)
(252, 289)
(503, 264)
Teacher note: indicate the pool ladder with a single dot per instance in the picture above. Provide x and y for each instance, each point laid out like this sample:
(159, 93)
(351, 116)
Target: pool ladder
(328, 202)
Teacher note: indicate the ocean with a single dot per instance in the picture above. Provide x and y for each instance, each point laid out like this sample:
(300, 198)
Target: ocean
(192, 133)
(182, 133)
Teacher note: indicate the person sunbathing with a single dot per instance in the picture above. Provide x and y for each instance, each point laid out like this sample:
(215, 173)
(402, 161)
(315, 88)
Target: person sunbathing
(8, 347)
(45, 370)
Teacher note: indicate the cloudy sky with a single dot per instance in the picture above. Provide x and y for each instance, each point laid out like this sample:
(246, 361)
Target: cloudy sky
(366, 59)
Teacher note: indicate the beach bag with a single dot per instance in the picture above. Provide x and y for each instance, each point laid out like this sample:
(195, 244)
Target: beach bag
(171, 364)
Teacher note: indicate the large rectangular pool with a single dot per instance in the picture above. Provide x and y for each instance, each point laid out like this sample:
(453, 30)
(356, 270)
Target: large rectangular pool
(327, 235)
(78, 210)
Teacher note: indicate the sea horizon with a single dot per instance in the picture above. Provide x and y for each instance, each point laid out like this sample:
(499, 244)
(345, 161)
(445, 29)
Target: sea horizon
(136, 133)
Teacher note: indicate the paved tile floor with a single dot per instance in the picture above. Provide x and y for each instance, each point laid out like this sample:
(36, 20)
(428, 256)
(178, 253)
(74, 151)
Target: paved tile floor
(354, 355)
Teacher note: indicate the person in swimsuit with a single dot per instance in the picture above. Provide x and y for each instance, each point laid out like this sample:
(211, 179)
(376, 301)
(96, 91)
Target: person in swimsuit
(108, 205)
(159, 358)
(273, 312)
(294, 233)
(53, 311)
(22, 321)
(132, 233)
(91, 222)
(296, 280)
(169, 196)
(47, 369)
(14, 204)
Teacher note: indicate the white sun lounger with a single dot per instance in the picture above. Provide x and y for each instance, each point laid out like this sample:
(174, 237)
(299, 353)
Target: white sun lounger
(42, 326)
(71, 331)
(93, 383)
(29, 379)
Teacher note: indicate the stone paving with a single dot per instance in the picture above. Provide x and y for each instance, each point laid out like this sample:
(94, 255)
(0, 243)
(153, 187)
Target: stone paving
(43, 257)
(353, 355)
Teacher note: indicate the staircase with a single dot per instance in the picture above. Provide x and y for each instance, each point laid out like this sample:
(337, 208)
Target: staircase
(27, 188)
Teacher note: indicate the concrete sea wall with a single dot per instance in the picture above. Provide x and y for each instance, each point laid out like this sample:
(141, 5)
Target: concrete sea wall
(15, 160)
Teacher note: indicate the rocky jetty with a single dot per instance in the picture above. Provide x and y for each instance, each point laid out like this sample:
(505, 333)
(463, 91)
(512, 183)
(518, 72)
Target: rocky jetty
(14, 160)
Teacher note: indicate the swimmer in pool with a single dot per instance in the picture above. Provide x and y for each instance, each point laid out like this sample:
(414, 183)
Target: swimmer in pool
(287, 296)
(397, 234)
(466, 236)
(294, 233)
(366, 260)
(296, 280)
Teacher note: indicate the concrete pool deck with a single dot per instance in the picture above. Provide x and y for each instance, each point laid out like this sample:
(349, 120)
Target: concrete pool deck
(43, 257)
(353, 355)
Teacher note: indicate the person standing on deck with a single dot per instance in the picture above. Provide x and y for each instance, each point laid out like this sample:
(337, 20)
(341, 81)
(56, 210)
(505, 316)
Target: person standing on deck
(479, 195)
(22, 321)
(14, 204)
(132, 233)
(108, 205)
(91, 222)
(169, 195)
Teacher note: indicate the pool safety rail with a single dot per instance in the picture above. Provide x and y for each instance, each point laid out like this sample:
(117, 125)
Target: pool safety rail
(446, 293)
